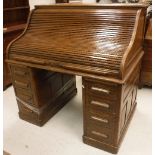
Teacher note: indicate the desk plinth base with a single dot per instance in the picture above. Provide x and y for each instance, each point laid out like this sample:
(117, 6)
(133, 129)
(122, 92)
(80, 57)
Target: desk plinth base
(100, 145)
(41, 119)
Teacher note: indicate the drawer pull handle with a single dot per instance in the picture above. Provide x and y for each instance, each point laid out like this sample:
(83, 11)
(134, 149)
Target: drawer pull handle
(99, 134)
(105, 105)
(25, 85)
(100, 90)
(100, 119)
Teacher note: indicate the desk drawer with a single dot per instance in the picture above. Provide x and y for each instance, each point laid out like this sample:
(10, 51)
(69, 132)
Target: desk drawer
(99, 118)
(100, 89)
(21, 77)
(21, 73)
(20, 70)
(100, 134)
(22, 84)
(101, 104)
(24, 96)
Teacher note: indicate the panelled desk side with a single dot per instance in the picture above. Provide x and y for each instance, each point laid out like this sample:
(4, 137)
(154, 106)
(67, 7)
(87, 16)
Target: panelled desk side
(44, 79)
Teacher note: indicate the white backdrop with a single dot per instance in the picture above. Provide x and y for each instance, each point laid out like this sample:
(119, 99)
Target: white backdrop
(38, 2)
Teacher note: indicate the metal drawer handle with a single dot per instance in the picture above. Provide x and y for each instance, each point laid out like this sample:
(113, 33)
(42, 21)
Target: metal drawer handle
(105, 105)
(99, 134)
(101, 90)
(100, 119)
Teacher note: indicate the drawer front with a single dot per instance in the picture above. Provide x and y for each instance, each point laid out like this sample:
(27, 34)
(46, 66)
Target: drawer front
(24, 96)
(102, 104)
(103, 90)
(100, 134)
(99, 118)
(21, 78)
(21, 73)
(22, 84)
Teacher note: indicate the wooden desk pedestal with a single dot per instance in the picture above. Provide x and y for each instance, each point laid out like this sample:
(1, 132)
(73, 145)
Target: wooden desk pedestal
(108, 109)
(40, 93)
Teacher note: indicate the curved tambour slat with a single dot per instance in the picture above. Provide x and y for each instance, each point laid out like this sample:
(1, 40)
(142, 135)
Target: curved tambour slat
(94, 39)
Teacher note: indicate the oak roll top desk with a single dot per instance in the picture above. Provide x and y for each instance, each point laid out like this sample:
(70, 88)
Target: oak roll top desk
(101, 43)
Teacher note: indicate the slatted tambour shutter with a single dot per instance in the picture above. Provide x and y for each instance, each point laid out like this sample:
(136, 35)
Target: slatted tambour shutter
(91, 38)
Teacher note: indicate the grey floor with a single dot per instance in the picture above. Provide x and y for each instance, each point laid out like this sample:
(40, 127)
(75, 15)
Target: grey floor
(62, 135)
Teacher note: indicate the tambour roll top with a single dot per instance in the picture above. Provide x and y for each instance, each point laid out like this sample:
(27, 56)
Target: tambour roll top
(88, 39)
